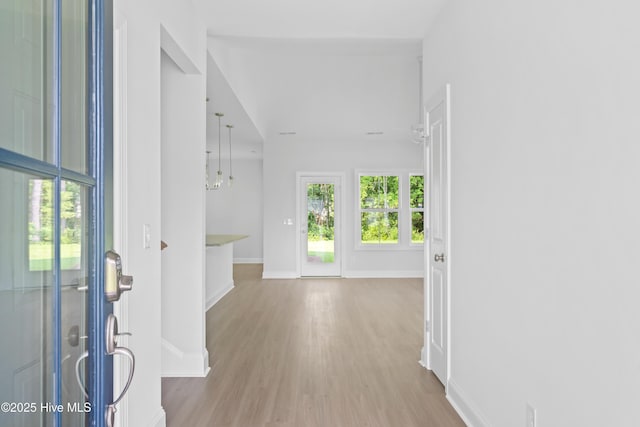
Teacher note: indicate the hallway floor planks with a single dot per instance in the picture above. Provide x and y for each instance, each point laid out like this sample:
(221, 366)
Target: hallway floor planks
(312, 353)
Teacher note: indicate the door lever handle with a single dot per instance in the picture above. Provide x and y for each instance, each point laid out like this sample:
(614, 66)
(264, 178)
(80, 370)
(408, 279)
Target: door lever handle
(83, 356)
(113, 349)
(123, 351)
(111, 408)
(112, 334)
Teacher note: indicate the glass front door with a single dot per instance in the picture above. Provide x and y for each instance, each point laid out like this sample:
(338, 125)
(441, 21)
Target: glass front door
(320, 207)
(52, 176)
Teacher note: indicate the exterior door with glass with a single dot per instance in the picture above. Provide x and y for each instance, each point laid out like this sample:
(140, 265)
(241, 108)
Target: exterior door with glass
(320, 253)
(55, 175)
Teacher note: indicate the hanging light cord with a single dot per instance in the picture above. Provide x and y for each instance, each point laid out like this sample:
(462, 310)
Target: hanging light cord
(230, 170)
(218, 181)
(219, 144)
(206, 171)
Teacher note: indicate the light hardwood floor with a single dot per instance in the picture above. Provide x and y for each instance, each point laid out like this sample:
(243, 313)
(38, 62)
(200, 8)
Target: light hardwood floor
(312, 353)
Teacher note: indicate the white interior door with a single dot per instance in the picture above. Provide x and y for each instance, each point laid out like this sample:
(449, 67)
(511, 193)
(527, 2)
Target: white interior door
(320, 226)
(437, 294)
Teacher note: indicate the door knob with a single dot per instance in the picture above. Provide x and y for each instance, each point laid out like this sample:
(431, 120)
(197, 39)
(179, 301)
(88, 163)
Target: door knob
(439, 257)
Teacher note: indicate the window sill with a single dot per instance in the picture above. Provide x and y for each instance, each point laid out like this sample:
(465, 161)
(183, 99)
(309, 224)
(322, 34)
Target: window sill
(389, 247)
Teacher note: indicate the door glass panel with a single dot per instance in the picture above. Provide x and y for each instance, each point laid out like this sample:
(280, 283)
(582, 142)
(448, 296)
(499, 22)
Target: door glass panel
(26, 82)
(320, 223)
(74, 245)
(74, 86)
(26, 298)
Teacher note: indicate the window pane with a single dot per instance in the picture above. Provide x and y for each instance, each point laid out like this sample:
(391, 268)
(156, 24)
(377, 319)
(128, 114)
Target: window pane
(320, 223)
(40, 225)
(379, 192)
(417, 227)
(26, 296)
(73, 85)
(416, 192)
(379, 227)
(26, 78)
(74, 246)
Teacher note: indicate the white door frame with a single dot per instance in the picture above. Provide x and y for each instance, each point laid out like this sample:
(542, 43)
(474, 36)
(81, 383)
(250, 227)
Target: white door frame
(340, 176)
(441, 95)
(120, 197)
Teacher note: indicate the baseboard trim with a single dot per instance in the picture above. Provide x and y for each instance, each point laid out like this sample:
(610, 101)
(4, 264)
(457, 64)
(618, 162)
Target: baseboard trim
(279, 275)
(185, 373)
(423, 358)
(160, 419)
(177, 363)
(247, 260)
(463, 406)
(384, 274)
(218, 296)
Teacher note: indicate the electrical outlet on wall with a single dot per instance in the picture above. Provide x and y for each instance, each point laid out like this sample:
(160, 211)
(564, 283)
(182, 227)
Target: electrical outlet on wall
(531, 416)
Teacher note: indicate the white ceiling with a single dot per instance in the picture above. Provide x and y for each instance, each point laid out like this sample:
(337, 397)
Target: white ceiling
(319, 19)
(246, 140)
(331, 69)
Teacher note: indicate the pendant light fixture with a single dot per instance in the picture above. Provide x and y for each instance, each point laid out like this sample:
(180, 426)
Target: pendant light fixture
(206, 172)
(219, 179)
(230, 168)
(418, 132)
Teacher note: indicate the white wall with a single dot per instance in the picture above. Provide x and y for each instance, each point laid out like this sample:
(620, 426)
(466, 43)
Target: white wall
(330, 93)
(143, 19)
(283, 157)
(238, 210)
(544, 248)
(184, 350)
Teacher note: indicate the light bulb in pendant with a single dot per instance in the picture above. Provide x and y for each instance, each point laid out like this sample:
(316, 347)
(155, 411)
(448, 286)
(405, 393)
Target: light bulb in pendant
(230, 166)
(218, 182)
(206, 172)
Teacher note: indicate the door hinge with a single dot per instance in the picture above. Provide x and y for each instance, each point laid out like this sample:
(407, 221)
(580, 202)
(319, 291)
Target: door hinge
(426, 326)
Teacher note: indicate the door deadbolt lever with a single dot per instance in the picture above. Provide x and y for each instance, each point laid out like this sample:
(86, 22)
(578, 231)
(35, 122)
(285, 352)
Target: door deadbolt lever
(115, 283)
(439, 257)
(113, 349)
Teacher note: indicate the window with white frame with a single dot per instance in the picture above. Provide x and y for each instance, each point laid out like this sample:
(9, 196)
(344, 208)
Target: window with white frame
(416, 207)
(390, 210)
(379, 209)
